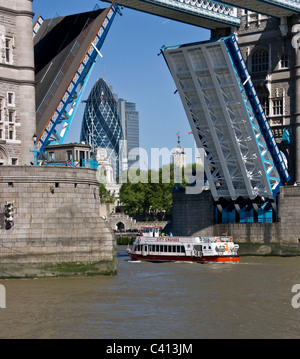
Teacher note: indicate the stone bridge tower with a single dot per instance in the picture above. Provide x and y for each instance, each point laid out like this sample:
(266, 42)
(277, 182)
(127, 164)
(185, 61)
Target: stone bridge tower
(17, 83)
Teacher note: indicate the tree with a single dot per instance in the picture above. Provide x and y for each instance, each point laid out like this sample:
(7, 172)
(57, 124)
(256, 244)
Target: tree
(104, 194)
(147, 191)
(152, 191)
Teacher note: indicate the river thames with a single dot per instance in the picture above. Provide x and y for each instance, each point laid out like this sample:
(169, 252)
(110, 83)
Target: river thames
(251, 299)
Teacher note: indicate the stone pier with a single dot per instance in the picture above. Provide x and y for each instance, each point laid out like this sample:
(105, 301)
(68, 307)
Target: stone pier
(194, 215)
(56, 228)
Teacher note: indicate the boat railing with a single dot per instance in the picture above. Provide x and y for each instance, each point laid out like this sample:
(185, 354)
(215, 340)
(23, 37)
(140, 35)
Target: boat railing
(215, 239)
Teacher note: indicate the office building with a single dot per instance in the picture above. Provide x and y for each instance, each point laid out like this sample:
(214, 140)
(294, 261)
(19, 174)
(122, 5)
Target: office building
(130, 123)
(101, 126)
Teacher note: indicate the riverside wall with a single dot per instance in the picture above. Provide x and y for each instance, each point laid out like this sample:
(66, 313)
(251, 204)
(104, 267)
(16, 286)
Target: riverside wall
(57, 227)
(194, 215)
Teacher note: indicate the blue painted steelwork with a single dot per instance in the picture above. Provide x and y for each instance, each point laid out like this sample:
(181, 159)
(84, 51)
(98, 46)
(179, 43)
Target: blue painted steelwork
(74, 90)
(247, 214)
(91, 163)
(37, 25)
(240, 66)
(286, 137)
(67, 118)
(265, 213)
(229, 214)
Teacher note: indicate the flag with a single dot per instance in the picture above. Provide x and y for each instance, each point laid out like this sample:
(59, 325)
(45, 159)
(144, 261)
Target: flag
(190, 132)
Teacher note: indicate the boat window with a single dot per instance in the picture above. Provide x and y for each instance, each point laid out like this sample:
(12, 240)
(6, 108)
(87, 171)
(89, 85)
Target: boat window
(161, 248)
(173, 248)
(178, 249)
(169, 248)
(182, 249)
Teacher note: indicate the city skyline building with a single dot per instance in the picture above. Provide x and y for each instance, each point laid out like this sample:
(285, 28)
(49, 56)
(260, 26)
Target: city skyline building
(179, 158)
(129, 117)
(101, 126)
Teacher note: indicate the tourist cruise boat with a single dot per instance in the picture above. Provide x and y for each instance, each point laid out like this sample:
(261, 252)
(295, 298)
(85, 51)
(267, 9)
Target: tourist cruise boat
(151, 245)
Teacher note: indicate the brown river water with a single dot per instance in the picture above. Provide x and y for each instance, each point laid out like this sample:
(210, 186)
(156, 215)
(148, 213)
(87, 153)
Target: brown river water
(251, 299)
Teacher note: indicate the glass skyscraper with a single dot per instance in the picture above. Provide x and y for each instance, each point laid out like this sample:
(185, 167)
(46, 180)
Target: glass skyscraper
(101, 126)
(130, 123)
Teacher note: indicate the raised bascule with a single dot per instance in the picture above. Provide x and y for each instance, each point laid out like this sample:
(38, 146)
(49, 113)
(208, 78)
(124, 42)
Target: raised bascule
(66, 49)
(244, 166)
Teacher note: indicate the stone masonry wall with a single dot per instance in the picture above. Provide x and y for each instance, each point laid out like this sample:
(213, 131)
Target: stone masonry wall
(56, 220)
(194, 215)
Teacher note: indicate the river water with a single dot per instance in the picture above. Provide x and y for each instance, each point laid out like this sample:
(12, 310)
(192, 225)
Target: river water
(251, 299)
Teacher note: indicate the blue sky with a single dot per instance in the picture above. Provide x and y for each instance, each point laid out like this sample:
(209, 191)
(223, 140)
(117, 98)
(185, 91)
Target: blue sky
(131, 66)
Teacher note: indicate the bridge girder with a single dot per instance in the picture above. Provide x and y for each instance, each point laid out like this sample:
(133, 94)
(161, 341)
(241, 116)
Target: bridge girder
(203, 13)
(212, 14)
(276, 8)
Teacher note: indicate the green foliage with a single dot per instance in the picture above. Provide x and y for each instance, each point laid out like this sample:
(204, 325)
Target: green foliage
(104, 194)
(148, 190)
(145, 191)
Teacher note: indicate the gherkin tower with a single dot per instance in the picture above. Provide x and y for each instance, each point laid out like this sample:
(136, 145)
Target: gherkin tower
(101, 126)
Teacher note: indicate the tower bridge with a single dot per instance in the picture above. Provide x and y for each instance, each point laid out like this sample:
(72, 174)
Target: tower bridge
(244, 166)
(219, 97)
(57, 102)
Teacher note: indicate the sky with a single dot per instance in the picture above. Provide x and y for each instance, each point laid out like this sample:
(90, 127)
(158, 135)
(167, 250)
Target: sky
(132, 67)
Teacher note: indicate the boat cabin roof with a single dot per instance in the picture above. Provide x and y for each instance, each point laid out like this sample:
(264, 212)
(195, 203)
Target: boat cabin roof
(183, 240)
